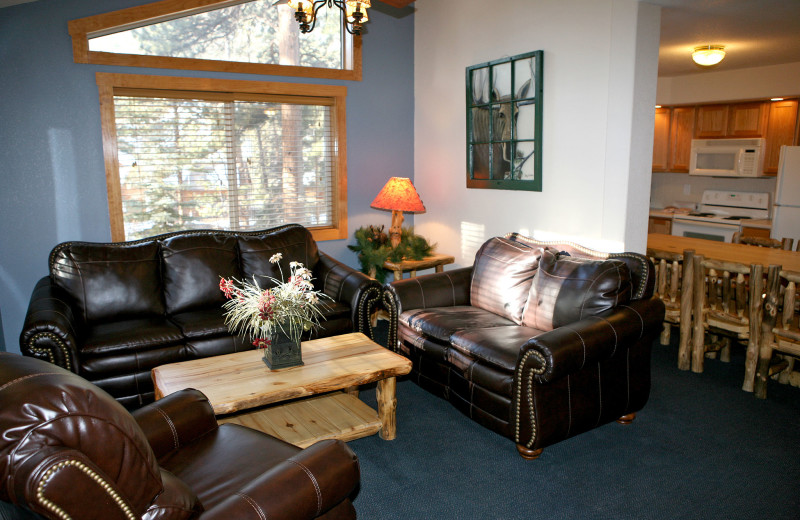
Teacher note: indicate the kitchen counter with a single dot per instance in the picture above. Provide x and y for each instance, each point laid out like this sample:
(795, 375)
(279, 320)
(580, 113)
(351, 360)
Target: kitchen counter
(752, 223)
(758, 223)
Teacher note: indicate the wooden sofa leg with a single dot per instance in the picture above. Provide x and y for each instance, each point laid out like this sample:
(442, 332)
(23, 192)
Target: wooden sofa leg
(627, 419)
(527, 453)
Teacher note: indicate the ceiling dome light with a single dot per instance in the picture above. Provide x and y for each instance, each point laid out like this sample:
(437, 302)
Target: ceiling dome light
(707, 55)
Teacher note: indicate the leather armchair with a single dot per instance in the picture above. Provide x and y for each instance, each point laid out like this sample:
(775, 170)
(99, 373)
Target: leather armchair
(69, 450)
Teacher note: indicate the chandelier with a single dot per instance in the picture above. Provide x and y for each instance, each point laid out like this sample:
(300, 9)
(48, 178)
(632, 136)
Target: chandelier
(355, 13)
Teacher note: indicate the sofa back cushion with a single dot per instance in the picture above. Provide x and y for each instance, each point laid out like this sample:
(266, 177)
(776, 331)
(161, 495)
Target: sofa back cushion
(193, 264)
(294, 243)
(110, 281)
(502, 276)
(567, 289)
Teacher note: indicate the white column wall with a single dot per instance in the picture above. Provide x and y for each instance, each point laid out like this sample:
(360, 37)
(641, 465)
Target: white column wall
(600, 79)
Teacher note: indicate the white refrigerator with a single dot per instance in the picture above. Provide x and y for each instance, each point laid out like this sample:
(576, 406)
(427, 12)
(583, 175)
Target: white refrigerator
(786, 209)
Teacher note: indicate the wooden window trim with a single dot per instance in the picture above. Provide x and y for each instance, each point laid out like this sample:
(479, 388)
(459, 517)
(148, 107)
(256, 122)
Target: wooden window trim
(81, 29)
(109, 84)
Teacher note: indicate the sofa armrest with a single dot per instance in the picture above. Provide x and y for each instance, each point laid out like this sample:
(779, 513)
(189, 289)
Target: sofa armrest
(568, 349)
(345, 284)
(305, 486)
(445, 289)
(50, 330)
(175, 420)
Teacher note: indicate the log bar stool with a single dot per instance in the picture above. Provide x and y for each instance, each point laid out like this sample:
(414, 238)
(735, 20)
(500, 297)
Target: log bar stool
(780, 332)
(726, 301)
(674, 282)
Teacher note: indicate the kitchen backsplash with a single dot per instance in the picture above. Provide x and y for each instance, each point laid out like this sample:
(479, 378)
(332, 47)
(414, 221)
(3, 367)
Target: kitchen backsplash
(668, 188)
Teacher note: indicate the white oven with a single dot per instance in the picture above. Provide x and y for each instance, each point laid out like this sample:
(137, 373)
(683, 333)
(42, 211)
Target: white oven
(720, 215)
(703, 229)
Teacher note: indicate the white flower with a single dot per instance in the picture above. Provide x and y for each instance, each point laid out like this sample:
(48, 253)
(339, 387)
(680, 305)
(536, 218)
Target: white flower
(312, 298)
(274, 259)
(295, 264)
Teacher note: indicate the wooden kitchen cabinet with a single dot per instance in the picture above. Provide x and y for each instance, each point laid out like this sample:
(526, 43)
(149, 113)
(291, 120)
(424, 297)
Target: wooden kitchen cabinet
(712, 121)
(659, 225)
(680, 138)
(661, 140)
(732, 120)
(781, 130)
(747, 119)
(755, 232)
(672, 139)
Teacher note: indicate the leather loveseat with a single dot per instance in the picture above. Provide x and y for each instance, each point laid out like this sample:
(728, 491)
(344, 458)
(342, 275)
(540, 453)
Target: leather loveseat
(537, 341)
(69, 450)
(112, 312)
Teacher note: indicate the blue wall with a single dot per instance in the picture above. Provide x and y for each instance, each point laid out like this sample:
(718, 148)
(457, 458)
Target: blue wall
(51, 158)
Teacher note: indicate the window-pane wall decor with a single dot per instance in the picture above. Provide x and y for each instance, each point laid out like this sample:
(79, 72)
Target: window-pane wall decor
(504, 123)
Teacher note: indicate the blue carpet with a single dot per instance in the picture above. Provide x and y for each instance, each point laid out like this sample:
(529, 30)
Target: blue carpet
(701, 448)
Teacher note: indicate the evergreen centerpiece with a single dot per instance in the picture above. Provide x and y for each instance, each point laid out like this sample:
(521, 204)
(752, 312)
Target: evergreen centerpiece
(274, 318)
(374, 248)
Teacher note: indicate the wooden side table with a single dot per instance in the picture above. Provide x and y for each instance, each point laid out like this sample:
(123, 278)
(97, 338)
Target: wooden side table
(436, 261)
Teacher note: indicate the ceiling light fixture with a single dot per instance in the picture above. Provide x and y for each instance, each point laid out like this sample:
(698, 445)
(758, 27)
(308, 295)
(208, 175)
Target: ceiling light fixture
(355, 13)
(707, 55)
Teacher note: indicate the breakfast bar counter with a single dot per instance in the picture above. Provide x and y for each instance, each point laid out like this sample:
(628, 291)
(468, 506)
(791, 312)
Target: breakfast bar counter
(726, 252)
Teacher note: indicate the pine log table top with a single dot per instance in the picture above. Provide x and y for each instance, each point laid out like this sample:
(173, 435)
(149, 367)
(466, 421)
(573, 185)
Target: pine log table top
(240, 381)
(416, 265)
(724, 251)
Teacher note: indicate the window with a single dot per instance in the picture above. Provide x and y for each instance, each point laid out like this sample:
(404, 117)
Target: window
(504, 123)
(250, 36)
(189, 153)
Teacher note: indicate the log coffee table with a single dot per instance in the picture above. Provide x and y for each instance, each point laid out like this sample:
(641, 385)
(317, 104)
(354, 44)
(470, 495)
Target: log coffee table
(301, 405)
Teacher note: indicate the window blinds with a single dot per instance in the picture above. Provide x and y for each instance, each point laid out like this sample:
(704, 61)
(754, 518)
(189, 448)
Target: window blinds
(224, 163)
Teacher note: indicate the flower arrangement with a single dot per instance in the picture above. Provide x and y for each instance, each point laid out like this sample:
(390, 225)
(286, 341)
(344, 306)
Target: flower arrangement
(290, 307)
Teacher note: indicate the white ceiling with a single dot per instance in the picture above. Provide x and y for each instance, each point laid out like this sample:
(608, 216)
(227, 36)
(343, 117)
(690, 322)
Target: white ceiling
(754, 32)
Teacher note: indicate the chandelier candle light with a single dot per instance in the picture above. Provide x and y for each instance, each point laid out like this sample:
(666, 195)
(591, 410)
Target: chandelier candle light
(355, 12)
(398, 195)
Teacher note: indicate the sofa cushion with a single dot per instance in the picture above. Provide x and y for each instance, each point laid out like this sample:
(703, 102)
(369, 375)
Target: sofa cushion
(110, 282)
(502, 276)
(442, 322)
(202, 323)
(130, 335)
(567, 289)
(193, 264)
(496, 346)
(295, 244)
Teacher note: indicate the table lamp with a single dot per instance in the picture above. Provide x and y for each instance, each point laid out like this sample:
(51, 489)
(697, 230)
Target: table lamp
(398, 195)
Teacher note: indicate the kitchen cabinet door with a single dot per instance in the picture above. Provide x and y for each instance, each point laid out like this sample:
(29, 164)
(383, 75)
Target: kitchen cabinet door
(712, 121)
(680, 138)
(661, 140)
(659, 225)
(780, 131)
(747, 119)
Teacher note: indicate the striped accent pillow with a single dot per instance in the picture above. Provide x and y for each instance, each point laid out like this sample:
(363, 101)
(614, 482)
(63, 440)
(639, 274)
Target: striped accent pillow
(502, 276)
(567, 289)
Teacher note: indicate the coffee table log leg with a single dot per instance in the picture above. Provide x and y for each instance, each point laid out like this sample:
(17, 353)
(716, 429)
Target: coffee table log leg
(387, 406)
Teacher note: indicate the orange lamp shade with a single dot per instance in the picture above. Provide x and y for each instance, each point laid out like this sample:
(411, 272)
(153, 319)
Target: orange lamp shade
(398, 195)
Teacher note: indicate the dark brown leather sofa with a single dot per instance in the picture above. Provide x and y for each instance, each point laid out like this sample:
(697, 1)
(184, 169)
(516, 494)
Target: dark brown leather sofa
(69, 450)
(563, 348)
(112, 312)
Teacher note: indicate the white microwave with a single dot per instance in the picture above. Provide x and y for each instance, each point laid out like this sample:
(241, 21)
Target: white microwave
(727, 157)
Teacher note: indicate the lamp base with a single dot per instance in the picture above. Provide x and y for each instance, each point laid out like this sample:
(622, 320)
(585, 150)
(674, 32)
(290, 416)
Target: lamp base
(395, 232)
